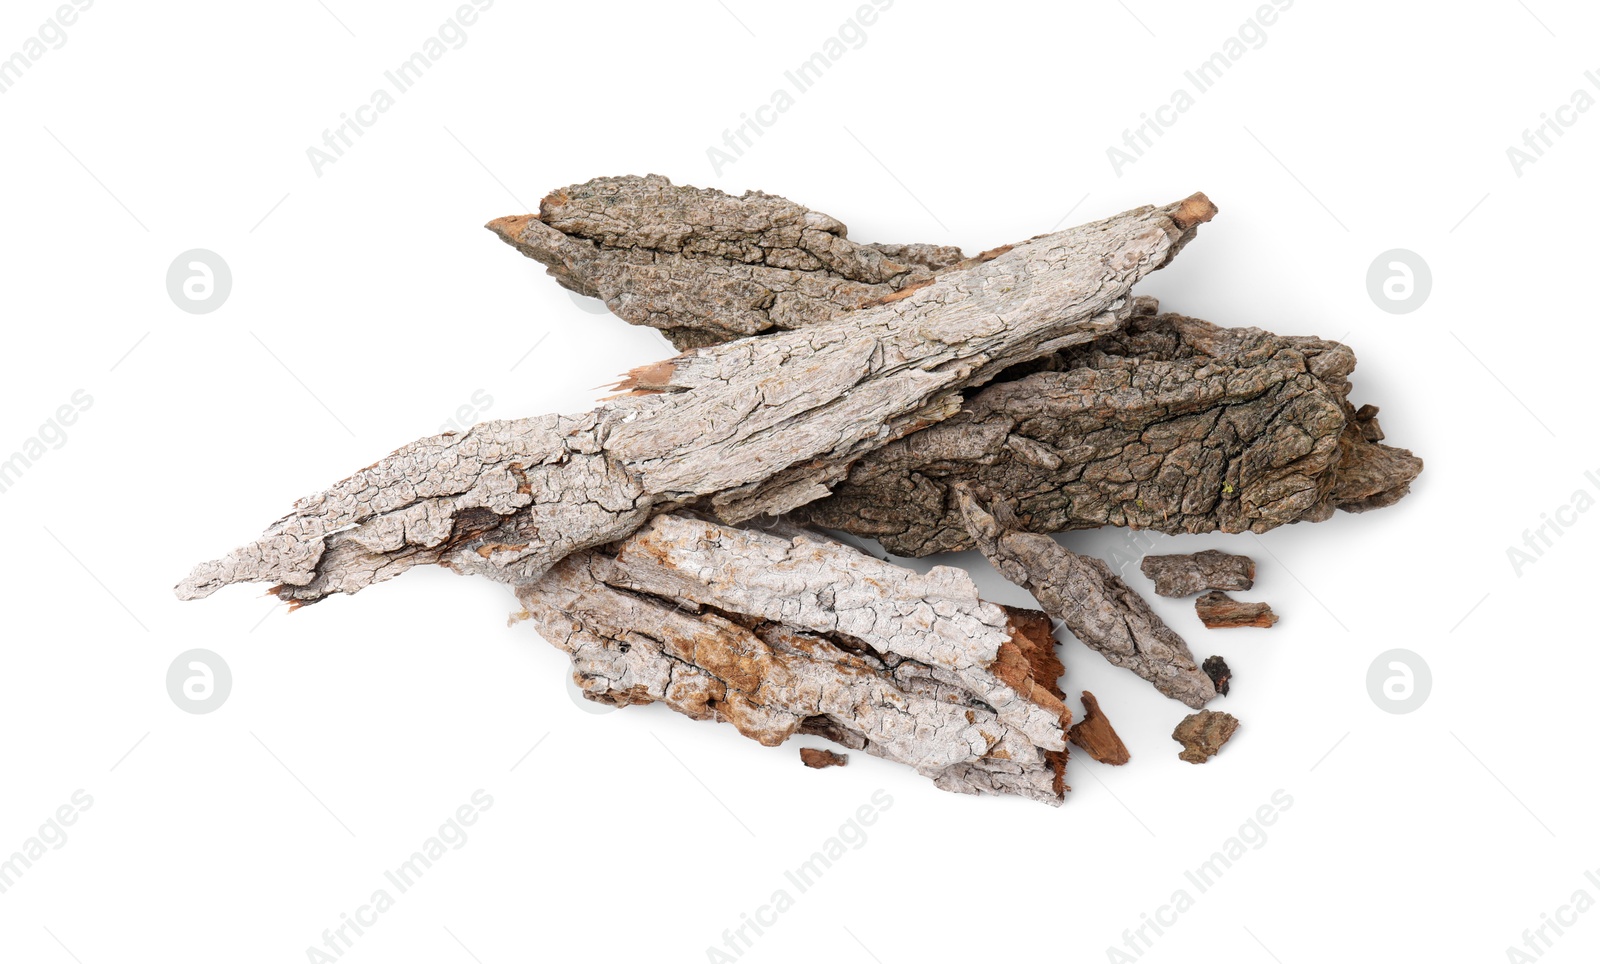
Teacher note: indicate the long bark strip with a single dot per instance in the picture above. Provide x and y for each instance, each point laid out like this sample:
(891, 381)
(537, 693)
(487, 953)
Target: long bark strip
(755, 426)
(779, 636)
(1093, 602)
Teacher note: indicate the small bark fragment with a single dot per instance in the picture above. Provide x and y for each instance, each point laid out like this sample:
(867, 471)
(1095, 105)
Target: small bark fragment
(1186, 574)
(822, 759)
(1203, 734)
(1218, 610)
(1221, 676)
(1093, 602)
(1094, 735)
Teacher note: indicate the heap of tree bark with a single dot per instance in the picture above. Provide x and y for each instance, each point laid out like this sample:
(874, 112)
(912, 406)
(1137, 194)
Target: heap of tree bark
(674, 540)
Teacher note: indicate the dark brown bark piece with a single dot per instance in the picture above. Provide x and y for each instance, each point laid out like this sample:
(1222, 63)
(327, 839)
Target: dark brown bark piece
(1094, 735)
(1203, 734)
(1188, 573)
(1218, 610)
(1091, 600)
(822, 759)
(1170, 423)
(1221, 676)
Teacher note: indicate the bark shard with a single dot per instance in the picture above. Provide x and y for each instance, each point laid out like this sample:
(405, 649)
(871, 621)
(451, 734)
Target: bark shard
(1202, 734)
(1170, 423)
(822, 759)
(1187, 574)
(1091, 600)
(761, 425)
(1095, 736)
(782, 635)
(1218, 610)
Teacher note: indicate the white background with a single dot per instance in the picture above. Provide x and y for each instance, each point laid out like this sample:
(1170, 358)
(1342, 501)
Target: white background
(368, 305)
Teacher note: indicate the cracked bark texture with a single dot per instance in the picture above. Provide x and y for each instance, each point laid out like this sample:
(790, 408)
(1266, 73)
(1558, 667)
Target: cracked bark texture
(705, 267)
(1171, 423)
(1091, 600)
(779, 635)
(759, 425)
(1185, 574)
(1203, 734)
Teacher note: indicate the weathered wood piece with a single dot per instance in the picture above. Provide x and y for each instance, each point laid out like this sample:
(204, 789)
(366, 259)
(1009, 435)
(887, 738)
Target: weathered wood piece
(1202, 734)
(1188, 573)
(782, 635)
(822, 759)
(1095, 736)
(1091, 600)
(1170, 424)
(1218, 610)
(760, 425)
(1221, 676)
(705, 267)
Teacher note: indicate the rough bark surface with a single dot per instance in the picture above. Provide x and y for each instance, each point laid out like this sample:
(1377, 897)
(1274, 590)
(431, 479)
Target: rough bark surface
(1187, 574)
(1094, 735)
(760, 425)
(705, 267)
(1170, 424)
(1091, 600)
(1218, 610)
(1203, 734)
(779, 636)
(822, 759)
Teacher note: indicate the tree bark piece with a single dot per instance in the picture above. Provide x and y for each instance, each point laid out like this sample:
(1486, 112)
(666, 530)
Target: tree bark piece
(1094, 735)
(750, 427)
(781, 635)
(1221, 676)
(822, 759)
(1170, 424)
(1203, 734)
(705, 267)
(1218, 610)
(1091, 600)
(1187, 574)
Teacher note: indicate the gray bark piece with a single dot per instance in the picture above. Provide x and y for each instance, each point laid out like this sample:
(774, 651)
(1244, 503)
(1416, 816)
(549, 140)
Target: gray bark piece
(750, 427)
(1184, 574)
(705, 267)
(1090, 599)
(1170, 424)
(804, 635)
